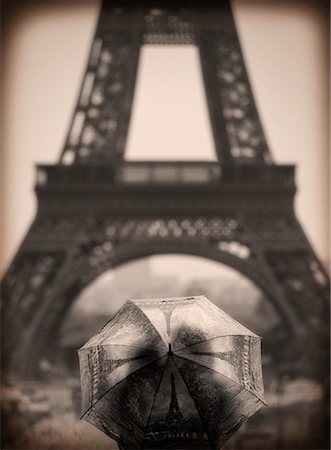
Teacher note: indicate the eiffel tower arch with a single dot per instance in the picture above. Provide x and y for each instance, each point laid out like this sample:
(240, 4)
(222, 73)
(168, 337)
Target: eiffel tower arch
(96, 210)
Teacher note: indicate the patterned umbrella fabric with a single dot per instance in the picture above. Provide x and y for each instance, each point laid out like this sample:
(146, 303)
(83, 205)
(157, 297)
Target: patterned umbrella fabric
(171, 373)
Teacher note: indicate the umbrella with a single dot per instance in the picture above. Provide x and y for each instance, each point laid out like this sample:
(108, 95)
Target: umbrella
(171, 373)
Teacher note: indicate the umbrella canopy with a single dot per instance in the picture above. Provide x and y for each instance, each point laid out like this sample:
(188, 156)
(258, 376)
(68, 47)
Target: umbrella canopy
(171, 373)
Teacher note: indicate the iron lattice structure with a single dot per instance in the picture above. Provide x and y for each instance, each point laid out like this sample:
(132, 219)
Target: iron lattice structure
(96, 210)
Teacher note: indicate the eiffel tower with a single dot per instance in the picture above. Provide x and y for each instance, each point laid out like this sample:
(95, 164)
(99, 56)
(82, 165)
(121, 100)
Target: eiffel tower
(96, 210)
(174, 414)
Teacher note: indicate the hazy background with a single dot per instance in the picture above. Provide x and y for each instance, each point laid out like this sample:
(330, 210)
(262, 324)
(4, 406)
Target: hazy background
(45, 47)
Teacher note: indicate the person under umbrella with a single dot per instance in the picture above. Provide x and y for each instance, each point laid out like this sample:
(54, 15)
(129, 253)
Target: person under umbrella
(171, 373)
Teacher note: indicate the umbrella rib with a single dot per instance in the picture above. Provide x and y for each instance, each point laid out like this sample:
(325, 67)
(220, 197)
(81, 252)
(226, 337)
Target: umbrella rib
(105, 393)
(206, 367)
(154, 399)
(215, 337)
(121, 345)
(189, 391)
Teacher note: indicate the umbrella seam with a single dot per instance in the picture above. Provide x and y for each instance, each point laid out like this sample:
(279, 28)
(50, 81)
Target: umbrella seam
(121, 345)
(203, 365)
(216, 337)
(108, 390)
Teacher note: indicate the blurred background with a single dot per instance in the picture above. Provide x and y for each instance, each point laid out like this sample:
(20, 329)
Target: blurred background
(45, 47)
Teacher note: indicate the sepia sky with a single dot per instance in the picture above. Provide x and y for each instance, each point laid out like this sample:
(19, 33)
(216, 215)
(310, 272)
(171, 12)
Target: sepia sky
(45, 47)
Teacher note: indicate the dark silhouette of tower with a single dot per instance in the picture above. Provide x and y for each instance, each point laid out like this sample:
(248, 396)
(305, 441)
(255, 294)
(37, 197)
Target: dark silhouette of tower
(96, 210)
(174, 414)
(175, 429)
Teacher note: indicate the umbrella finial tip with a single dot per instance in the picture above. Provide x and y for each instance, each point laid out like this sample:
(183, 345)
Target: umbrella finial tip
(170, 351)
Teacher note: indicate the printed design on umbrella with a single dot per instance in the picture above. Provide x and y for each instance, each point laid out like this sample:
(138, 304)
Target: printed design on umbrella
(174, 416)
(160, 312)
(233, 356)
(122, 412)
(222, 403)
(171, 370)
(129, 338)
(113, 364)
(128, 327)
